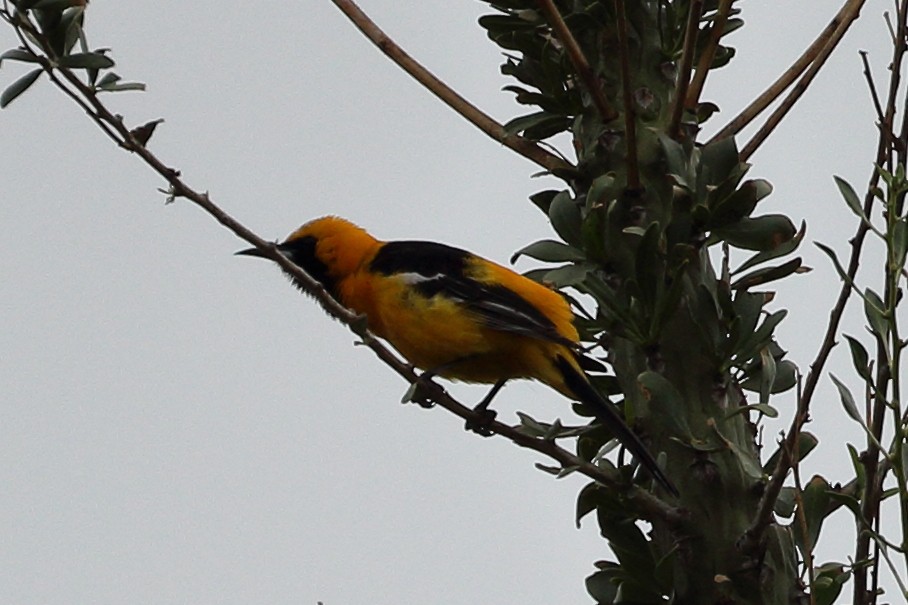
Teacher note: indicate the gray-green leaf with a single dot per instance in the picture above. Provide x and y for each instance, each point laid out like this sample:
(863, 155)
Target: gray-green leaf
(18, 87)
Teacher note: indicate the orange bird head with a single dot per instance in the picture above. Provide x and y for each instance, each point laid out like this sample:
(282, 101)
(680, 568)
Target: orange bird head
(328, 248)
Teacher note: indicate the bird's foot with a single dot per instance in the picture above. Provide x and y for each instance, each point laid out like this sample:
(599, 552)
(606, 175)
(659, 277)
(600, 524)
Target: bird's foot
(418, 392)
(482, 422)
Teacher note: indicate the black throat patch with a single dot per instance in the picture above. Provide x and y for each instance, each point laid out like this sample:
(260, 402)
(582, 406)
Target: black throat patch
(302, 252)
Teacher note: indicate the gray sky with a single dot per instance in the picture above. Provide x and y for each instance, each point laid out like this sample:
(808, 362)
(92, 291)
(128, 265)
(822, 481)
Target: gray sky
(179, 425)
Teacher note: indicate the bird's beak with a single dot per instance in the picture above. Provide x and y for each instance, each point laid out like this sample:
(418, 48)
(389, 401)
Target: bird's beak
(251, 252)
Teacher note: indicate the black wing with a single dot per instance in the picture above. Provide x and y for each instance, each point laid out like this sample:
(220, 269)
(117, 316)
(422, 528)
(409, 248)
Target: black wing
(437, 269)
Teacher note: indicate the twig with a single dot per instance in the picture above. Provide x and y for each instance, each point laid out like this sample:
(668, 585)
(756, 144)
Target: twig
(902, 144)
(707, 56)
(691, 34)
(467, 110)
(802, 518)
(873, 94)
(575, 53)
(776, 117)
(889, 26)
(763, 517)
(630, 116)
(873, 486)
(848, 13)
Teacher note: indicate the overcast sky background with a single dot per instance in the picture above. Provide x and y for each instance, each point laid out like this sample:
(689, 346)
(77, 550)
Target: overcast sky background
(178, 425)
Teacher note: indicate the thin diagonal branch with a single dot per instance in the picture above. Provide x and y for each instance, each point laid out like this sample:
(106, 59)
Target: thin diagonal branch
(901, 147)
(581, 65)
(776, 117)
(767, 501)
(874, 96)
(447, 95)
(846, 15)
(691, 34)
(649, 506)
(763, 517)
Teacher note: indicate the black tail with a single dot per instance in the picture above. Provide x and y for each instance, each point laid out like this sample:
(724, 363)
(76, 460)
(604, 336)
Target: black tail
(607, 415)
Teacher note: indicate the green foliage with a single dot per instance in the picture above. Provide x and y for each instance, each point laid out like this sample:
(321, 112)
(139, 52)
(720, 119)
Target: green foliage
(828, 583)
(814, 508)
(53, 29)
(636, 223)
(880, 377)
(19, 86)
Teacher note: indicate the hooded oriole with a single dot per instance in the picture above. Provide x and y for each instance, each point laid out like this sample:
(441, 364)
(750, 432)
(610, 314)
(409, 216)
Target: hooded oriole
(455, 314)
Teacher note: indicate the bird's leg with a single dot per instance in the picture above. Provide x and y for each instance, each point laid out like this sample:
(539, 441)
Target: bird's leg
(417, 391)
(485, 416)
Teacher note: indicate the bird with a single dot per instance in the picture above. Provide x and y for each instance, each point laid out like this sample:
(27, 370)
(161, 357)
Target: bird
(456, 315)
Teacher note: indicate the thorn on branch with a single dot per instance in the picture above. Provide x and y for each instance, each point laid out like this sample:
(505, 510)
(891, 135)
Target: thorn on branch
(142, 134)
(176, 190)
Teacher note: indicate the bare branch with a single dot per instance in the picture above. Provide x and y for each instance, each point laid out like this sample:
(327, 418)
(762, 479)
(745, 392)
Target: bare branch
(831, 34)
(763, 516)
(452, 99)
(776, 117)
(872, 86)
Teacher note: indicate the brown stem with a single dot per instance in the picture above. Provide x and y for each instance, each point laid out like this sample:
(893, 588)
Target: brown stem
(447, 95)
(846, 15)
(875, 97)
(763, 517)
(776, 117)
